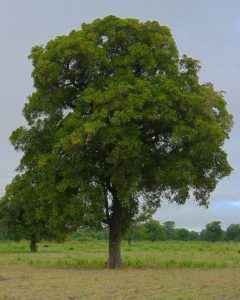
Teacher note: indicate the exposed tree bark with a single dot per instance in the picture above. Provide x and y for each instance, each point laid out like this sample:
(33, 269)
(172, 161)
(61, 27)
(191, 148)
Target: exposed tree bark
(115, 234)
(33, 245)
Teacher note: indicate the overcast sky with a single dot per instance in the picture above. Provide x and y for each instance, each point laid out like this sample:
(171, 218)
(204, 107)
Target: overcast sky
(208, 30)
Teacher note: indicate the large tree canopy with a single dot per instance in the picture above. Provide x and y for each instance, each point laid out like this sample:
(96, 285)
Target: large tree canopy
(119, 121)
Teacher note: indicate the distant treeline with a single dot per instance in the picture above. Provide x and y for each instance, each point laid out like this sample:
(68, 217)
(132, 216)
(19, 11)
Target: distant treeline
(154, 231)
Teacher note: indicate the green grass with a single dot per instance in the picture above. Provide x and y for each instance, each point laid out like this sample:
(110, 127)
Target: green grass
(140, 254)
(160, 270)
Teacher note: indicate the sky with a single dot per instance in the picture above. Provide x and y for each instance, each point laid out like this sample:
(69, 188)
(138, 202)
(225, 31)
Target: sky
(206, 30)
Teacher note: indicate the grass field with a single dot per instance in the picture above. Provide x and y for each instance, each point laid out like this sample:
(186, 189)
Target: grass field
(161, 270)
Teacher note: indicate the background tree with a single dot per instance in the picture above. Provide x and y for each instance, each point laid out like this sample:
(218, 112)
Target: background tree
(22, 216)
(182, 234)
(84, 233)
(117, 119)
(136, 229)
(233, 232)
(153, 230)
(169, 230)
(213, 232)
(194, 236)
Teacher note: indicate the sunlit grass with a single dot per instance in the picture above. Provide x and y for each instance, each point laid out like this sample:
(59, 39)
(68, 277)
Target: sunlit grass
(93, 254)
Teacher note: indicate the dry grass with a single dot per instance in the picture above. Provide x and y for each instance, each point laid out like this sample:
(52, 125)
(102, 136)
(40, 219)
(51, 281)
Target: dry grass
(41, 283)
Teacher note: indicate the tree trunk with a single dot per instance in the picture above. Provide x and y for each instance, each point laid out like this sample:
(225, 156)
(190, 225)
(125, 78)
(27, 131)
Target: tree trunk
(129, 242)
(115, 235)
(33, 246)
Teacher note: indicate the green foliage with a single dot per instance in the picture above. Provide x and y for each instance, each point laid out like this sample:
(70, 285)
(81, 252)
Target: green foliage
(182, 234)
(154, 230)
(233, 233)
(213, 232)
(117, 116)
(169, 230)
(193, 236)
(21, 213)
(86, 233)
(136, 229)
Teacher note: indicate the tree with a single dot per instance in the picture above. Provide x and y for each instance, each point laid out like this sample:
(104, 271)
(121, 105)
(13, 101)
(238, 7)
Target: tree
(193, 236)
(182, 234)
(136, 228)
(233, 232)
(22, 216)
(154, 230)
(119, 119)
(213, 232)
(169, 230)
